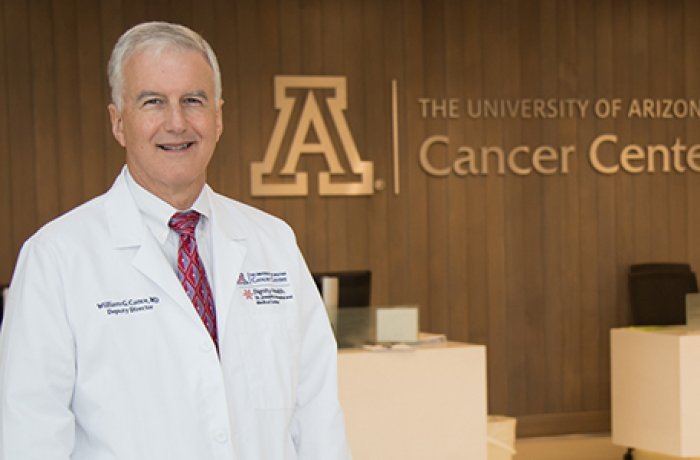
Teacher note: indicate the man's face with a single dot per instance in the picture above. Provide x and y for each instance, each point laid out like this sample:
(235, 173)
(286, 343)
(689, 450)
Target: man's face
(169, 123)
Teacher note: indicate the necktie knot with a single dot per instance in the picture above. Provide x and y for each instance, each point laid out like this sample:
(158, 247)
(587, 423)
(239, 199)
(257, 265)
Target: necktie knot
(184, 223)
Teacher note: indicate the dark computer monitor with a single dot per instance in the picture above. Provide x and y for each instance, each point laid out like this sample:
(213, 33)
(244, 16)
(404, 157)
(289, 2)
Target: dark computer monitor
(657, 292)
(354, 287)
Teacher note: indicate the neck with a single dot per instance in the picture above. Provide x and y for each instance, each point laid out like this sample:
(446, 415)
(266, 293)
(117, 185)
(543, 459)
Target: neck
(179, 196)
(180, 201)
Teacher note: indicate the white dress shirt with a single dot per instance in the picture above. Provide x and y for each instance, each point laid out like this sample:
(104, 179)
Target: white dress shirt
(157, 213)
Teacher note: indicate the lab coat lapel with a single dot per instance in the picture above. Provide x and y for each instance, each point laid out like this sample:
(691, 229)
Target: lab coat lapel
(150, 261)
(229, 252)
(129, 232)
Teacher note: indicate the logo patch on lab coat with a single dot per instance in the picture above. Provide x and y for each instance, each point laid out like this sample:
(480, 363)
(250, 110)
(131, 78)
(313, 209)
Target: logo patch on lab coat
(265, 287)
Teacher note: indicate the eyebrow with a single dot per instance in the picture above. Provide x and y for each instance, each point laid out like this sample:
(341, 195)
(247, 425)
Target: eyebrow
(199, 93)
(146, 94)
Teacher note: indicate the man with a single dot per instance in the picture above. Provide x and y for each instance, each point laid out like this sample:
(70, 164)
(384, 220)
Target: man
(130, 335)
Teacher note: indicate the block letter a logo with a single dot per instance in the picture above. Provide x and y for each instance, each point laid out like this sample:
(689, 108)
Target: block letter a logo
(310, 135)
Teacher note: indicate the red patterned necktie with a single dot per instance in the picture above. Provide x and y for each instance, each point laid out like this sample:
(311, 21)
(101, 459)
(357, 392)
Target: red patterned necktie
(190, 269)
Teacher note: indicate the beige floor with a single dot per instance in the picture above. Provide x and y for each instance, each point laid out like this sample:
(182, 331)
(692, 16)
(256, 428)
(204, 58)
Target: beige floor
(588, 447)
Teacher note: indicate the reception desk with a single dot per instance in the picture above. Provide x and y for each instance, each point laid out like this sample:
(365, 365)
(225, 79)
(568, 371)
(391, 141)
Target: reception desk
(426, 403)
(656, 389)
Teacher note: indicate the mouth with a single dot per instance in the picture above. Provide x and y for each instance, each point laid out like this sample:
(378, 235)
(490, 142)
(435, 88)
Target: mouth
(175, 147)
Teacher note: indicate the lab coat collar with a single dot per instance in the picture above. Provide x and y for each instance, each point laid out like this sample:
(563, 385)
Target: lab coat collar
(126, 224)
(229, 252)
(128, 230)
(227, 223)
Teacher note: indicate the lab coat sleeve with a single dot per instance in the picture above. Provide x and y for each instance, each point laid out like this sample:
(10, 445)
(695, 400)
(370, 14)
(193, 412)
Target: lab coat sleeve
(37, 364)
(318, 427)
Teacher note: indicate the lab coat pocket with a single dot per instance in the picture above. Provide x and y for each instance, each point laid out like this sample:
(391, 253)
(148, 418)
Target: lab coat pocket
(273, 366)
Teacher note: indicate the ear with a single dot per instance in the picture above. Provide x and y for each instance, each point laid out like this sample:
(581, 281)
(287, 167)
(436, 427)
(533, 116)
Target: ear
(219, 120)
(117, 124)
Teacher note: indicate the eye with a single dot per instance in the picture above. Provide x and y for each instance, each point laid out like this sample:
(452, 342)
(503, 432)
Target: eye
(152, 101)
(193, 101)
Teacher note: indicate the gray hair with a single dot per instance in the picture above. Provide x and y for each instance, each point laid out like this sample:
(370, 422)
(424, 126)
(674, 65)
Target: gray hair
(157, 36)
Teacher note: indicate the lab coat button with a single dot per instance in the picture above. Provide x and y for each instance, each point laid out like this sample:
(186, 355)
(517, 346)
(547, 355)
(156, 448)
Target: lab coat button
(221, 437)
(206, 345)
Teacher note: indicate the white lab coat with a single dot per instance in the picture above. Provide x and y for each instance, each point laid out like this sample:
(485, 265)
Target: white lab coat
(102, 355)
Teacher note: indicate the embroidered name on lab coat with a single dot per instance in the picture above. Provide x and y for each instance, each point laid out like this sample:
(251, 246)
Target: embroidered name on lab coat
(265, 287)
(128, 306)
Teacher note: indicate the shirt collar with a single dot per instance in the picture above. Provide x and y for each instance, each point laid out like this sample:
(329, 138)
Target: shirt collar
(202, 205)
(157, 212)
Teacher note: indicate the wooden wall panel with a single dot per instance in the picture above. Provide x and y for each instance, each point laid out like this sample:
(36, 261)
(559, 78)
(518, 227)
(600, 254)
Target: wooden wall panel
(7, 242)
(604, 213)
(416, 49)
(456, 270)
(91, 88)
(44, 127)
(66, 103)
(395, 239)
(691, 81)
(624, 190)
(474, 230)
(569, 260)
(532, 266)
(23, 193)
(497, 31)
(551, 208)
(224, 13)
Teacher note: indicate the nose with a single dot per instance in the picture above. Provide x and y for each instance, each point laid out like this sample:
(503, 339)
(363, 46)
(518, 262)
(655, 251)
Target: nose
(175, 119)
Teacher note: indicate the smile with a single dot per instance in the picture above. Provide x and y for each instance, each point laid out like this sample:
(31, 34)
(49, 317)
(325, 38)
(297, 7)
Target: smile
(175, 147)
